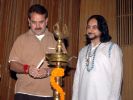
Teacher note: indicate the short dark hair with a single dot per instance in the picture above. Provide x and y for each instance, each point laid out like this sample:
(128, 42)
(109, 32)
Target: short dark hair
(102, 26)
(37, 8)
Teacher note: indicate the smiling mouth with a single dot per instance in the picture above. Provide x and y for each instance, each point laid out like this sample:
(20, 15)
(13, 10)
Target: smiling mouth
(90, 34)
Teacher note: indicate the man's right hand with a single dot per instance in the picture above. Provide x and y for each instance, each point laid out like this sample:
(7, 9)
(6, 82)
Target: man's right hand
(33, 71)
(38, 73)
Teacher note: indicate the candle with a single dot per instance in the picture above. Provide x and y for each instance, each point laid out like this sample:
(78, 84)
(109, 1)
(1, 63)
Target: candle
(41, 62)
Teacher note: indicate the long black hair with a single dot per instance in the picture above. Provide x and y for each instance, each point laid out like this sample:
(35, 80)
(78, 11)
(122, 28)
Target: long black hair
(103, 28)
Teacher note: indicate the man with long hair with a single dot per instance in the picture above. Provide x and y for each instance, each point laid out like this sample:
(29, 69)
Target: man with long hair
(98, 74)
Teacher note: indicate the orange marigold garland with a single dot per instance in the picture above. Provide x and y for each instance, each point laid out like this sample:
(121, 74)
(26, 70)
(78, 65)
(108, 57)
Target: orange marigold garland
(57, 72)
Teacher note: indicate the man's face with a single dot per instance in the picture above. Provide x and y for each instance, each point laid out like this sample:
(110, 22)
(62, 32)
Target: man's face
(38, 23)
(92, 29)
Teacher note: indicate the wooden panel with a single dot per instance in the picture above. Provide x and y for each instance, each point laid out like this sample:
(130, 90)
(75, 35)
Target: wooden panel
(13, 22)
(124, 22)
(124, 38)
(127, 89)
(0, 47)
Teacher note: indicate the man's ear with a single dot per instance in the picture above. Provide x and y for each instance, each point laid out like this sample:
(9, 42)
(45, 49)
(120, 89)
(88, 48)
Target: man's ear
(29, 22)
(46, 21)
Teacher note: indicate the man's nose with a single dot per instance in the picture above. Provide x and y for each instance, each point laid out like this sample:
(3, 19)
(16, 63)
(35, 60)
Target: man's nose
(90, 30)
(37, 25)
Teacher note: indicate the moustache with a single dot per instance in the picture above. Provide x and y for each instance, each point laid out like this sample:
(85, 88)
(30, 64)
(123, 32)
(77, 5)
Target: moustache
(38, 28)
(90, 33)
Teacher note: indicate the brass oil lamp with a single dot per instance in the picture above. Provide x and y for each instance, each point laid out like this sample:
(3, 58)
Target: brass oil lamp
(58, 59)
